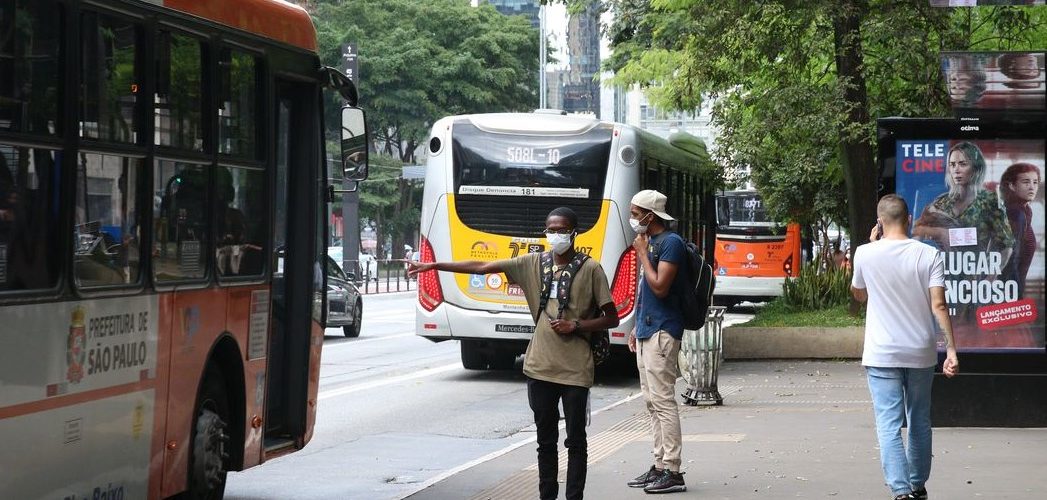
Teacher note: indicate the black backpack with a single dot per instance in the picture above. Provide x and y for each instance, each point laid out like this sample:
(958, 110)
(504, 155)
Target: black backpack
(696, 277)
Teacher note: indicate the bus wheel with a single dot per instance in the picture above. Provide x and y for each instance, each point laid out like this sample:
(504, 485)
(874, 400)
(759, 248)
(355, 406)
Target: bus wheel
(352, 331)
(474, 356)
(208, 458)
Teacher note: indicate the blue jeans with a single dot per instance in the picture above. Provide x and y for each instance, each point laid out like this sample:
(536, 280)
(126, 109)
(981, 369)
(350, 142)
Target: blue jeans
(901, 394)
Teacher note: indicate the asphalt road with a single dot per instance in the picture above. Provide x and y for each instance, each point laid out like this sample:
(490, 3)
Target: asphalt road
(397, 411)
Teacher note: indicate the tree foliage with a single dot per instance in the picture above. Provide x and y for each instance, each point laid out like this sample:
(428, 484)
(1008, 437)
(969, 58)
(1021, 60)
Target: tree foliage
(390, 203)
(420, 61)
(784, 107)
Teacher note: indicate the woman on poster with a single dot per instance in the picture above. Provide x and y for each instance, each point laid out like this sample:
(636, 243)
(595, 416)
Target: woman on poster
(967, 204)
(1019, 185)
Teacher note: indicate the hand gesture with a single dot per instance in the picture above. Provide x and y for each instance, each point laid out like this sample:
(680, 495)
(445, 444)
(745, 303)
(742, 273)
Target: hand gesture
(415, 267)
(641, 242)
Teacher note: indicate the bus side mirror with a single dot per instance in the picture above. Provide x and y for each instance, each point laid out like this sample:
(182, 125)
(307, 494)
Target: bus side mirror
(354, 143)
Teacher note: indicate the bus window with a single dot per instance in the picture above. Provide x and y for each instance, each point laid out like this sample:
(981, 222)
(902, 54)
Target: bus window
(178, 92)
(106, 233)
(30, 39)
(180, 227)
(238, 114)
(241, 221)
(109, 65)
(28, 218)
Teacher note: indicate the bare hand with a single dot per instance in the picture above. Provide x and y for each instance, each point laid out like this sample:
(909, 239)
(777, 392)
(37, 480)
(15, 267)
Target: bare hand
(562, 326)
(951, 366)
(641, 242)
(632, 340)
(415, 267)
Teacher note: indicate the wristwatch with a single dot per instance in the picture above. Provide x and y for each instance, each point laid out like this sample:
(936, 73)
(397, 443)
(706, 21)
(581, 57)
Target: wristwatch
(577, 326)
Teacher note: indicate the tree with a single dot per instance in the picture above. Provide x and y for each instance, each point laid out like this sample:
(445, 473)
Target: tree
(420, 61)
(800, 84)
(388, 201)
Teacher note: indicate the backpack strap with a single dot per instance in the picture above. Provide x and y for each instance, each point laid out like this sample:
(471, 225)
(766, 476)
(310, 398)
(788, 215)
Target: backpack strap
(563, 289)
(563, 286)
(545, 267)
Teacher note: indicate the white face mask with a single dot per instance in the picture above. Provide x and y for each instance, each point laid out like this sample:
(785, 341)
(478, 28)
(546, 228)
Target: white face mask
(560, 243)
(639, 228)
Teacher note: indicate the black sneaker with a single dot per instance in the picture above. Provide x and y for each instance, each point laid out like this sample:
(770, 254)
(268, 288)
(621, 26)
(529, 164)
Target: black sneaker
(920, 494)
(668, 482)
(907, 496)
(645, 478)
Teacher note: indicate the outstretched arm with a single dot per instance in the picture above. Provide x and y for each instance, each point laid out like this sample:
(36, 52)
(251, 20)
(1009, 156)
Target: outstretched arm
(465, 266)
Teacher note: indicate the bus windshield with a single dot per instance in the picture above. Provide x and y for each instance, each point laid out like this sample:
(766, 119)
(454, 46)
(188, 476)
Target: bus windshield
(740, 210)
(564, 166)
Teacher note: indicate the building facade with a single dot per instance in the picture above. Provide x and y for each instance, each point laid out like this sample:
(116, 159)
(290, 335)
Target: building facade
(528, 8)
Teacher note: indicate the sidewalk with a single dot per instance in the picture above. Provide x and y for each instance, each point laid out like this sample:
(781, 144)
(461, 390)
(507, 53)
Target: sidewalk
(788, 429)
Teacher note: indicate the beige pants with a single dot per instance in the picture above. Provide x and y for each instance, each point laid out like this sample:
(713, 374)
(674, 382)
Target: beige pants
(657, 360)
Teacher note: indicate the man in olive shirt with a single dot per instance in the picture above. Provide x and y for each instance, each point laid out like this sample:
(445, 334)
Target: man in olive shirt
(559, 361)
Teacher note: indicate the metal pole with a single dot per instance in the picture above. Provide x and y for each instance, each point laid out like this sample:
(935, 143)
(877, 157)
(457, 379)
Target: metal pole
(542, 83)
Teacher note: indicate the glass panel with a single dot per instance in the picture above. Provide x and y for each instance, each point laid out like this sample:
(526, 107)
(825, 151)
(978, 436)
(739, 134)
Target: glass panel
(561, 166)
(30, 38)
(238, 114)
(28, 218)
(742, 210)
(178, 96)
(109, 93)
(241, 221)
(180, 227)
(107, 226)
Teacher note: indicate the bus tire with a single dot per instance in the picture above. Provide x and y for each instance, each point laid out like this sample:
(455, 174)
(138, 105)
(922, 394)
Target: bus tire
(352, 331)
(474, 356)
(208, 458)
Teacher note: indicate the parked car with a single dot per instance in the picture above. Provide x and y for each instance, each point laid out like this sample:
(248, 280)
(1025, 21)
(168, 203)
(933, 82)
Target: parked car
(368, 264)
(344, 305)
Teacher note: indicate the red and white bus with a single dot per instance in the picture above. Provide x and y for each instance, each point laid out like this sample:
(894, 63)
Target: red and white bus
(160, 305)
(754, 255)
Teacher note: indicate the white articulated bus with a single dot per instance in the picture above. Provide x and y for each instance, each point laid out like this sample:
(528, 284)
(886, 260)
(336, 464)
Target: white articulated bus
(490, 182)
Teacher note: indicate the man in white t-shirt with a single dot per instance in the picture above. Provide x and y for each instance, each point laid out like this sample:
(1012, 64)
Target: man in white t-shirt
(904, 282)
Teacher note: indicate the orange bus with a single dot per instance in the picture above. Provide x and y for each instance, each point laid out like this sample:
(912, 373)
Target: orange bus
(754, 254)
(161, 312)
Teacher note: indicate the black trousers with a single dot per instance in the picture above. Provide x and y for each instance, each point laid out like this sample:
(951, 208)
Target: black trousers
(544, 398)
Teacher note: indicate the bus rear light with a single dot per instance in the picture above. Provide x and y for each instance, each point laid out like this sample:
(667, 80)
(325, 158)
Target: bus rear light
(429, 326)
(623, 288)
(788, 266)
(618, 334)
(430, 295)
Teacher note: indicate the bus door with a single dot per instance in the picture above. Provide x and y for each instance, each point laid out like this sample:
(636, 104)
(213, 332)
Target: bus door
(293, 267)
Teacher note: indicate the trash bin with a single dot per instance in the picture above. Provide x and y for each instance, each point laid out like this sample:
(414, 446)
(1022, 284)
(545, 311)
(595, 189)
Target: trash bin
(700, 355)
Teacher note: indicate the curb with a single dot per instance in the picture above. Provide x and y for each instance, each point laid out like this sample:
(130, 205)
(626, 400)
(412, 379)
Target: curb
(793, 343)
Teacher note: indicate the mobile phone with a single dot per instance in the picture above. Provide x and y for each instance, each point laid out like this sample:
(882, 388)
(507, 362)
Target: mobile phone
(879, 230)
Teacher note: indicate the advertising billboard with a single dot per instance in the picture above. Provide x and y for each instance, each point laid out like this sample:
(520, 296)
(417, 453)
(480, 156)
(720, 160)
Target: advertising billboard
(1005, 81)
(981, 202)
(973, 3)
